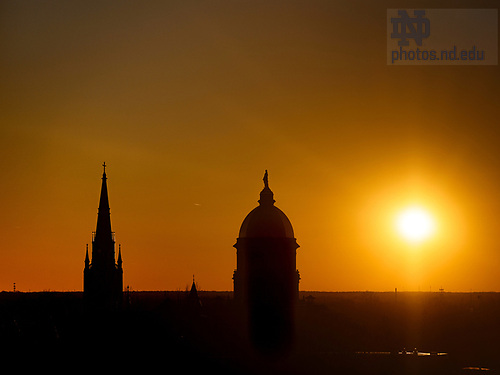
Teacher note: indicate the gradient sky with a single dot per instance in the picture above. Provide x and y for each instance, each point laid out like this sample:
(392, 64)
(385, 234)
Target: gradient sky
(188, 102)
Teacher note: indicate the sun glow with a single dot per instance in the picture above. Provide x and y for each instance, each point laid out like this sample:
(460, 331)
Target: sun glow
(415, 224)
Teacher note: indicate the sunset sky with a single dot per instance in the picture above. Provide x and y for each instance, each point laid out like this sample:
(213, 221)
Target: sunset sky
(189, 102)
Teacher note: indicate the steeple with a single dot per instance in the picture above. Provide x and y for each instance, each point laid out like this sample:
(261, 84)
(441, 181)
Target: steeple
(103, 234)
(103, 277)
(193, 293)
(193, 298)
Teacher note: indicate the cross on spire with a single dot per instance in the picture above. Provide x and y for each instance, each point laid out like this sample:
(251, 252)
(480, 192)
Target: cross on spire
(104, 165)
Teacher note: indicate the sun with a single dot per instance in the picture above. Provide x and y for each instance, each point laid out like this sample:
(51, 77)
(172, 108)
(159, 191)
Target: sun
(415, 224)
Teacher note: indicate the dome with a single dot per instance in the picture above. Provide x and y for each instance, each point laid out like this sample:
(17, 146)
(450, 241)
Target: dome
(266, 220)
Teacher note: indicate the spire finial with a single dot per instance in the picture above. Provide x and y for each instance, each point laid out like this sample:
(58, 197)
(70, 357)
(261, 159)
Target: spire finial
(104, 171)
(266, 180)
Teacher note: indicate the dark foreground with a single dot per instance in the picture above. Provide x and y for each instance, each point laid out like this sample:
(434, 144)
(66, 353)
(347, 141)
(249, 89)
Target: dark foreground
(335, 333)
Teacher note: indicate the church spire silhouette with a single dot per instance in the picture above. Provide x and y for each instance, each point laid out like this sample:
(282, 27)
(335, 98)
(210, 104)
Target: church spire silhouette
(103, 277)
(103, 233)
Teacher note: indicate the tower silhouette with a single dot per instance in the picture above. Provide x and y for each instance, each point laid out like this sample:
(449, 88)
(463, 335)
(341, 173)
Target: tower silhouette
(266, 280)
(102, 276)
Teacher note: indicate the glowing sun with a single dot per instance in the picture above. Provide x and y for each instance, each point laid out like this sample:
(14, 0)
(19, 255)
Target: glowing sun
(415, 224)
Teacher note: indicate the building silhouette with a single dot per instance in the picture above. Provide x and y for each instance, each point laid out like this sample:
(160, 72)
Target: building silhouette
(266, 280)
(102, 275)
(193, 297)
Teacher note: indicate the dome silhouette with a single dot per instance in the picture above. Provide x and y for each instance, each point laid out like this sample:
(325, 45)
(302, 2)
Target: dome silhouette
(266, 279)
(266, 220)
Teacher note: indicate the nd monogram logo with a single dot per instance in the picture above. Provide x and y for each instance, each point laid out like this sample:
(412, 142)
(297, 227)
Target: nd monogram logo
(405, 27)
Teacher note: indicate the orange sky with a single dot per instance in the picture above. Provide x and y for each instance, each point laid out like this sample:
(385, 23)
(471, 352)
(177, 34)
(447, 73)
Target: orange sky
(188, 102)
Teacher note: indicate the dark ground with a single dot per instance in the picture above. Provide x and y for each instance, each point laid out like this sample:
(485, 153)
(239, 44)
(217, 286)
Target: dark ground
(165, 332)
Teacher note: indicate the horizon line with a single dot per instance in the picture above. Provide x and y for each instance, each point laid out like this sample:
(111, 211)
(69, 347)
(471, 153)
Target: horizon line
(231, 291)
